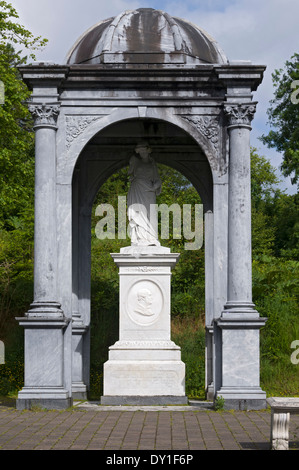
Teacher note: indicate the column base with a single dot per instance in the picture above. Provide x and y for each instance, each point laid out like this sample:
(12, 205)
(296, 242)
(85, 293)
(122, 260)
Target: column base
(45, 309)
(55, 398)
(79, 388)
(240, 374)
(210, 392)
(243, 399)
(79, 391)
(44, 364)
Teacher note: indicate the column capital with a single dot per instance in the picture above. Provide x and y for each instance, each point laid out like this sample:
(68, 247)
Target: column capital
(239, 114)
(44, 114)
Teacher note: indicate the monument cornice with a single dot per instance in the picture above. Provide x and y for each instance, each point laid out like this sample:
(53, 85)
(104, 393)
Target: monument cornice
(208, 74)
(50, 75)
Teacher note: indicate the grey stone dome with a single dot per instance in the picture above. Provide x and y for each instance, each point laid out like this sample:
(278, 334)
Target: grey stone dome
(146, 36)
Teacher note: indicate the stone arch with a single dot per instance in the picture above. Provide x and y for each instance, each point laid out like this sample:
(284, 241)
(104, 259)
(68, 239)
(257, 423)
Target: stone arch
(194, 127)
(191, 173)
(197, 170)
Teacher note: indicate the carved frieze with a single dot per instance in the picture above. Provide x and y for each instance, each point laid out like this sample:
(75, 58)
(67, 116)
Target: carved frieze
(208, 126)
(143, 269)
(44, 114)
(240, 114)
(76, 125)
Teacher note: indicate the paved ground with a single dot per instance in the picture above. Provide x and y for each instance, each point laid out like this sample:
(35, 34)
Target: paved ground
(93, 427)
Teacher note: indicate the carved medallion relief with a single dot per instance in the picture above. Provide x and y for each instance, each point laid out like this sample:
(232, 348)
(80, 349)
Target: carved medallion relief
(144, 302)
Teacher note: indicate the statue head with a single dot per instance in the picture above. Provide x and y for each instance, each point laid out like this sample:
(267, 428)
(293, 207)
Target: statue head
(143, 149)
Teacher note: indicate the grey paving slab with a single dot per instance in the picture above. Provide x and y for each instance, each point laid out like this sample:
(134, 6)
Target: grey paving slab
(93, 427)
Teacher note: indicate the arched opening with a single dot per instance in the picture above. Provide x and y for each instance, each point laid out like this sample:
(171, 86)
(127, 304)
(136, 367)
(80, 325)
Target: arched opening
(101, 172)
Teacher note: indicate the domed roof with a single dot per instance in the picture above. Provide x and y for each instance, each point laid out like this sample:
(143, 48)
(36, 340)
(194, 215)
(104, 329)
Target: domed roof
(146, 36)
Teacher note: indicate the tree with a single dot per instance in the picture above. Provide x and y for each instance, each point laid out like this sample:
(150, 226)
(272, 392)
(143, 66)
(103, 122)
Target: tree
(284, 116)
(16, 168)
(275, 227)
(16, 134)
(15, 34)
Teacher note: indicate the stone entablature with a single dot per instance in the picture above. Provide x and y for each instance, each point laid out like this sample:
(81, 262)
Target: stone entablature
(200, 99)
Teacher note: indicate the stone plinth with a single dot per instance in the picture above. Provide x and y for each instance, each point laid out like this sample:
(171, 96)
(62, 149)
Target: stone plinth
(144, 366)
(241, 363)
(44, 358)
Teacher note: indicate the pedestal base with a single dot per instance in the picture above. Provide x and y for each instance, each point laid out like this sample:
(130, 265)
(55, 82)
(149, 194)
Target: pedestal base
(144, 400)
(44, 381)
(243, 399)
(50, 398)
(144, 378)
(79, 391)
(144, 369)
(240, 386)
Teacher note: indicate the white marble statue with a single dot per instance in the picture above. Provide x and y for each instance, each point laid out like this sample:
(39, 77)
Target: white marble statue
(145, 186)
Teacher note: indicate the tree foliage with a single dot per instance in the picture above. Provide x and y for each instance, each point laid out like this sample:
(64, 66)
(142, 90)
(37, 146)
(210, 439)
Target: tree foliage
(14, 33)
(16, 168)
(16, 136)
(283, 116)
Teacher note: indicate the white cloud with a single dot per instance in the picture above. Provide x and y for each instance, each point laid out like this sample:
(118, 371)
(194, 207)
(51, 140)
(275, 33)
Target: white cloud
(265, 32)
(63, 21)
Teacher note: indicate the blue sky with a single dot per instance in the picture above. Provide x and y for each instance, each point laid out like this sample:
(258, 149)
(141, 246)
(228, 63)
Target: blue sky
(263, 31)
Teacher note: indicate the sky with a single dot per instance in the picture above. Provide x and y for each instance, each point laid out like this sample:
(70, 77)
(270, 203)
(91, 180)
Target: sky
(263, 31)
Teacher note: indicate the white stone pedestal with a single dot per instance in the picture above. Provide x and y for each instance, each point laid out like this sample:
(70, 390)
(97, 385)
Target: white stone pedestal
(144, 366)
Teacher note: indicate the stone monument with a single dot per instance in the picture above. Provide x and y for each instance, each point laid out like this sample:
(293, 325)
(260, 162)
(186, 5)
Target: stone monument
(142, 76)
(144, 366)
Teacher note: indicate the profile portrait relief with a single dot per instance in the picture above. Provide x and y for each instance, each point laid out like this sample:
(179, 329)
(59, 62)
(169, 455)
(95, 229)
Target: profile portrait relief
(145, 300)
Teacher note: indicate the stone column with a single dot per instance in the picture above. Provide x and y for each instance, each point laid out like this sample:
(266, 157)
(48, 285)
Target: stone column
(45, 322)
(239, 206)
(240, 322)
(45, 254)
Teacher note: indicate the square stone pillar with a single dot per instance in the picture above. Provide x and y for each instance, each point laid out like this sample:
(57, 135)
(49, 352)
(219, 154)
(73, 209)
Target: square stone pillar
(144, 366)
(44, 384)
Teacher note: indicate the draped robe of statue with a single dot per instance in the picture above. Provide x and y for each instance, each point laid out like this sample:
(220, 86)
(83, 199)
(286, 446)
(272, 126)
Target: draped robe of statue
(142, 213)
